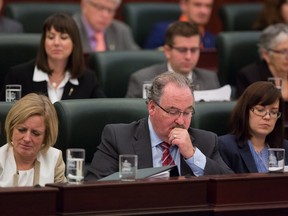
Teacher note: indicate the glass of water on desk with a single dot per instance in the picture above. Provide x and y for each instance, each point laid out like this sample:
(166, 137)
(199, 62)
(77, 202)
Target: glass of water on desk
(75, 165)
(13, 92)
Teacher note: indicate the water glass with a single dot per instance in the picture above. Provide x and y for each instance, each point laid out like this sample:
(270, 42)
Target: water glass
(276, 159)
(13, 92)
(75, 165)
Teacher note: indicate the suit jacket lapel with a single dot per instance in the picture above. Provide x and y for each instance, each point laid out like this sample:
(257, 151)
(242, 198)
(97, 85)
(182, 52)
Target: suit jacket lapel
(247, 157)
(40, 87)
(142, 145)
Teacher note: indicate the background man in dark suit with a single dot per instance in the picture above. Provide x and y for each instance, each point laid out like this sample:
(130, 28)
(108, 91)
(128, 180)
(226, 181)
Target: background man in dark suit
(182, 50)
(8, 25)
(170, 108)
(96, 20)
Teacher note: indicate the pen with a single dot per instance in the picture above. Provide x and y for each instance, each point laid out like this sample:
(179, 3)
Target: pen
(70, 92)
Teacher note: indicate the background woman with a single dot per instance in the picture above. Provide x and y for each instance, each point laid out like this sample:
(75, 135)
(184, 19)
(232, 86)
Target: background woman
(59, 68)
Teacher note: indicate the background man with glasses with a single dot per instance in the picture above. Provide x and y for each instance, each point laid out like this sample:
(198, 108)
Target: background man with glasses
(182, 51)
(98, 28)
(170, 108)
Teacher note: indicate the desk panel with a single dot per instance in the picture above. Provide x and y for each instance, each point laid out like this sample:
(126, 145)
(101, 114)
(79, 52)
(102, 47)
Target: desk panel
(28, 201)
(249, 194)
(175, 196)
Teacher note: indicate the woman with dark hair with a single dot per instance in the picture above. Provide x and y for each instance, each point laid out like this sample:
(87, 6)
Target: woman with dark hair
(256, 124)
(274, 11)
(58, 71)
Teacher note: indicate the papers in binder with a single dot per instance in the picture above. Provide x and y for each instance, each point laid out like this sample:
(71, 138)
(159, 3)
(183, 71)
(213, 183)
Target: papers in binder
(220, 94)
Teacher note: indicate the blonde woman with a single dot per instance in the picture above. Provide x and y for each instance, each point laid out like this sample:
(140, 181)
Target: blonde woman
(28, 158)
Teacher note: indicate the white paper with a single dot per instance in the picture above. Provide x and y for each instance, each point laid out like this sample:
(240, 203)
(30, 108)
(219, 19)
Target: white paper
(220, 94)
(161, 175)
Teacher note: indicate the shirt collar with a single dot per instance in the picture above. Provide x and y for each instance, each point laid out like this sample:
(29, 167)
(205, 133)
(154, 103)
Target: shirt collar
(171, 69)
(40, 76)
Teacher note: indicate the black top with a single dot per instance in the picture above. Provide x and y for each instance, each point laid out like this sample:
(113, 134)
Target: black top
(88, 87)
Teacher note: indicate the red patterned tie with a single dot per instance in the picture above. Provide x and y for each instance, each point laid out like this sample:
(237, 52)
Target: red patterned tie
(167, 160)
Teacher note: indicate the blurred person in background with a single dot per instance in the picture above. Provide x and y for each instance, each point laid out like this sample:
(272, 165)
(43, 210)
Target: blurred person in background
(99, 30)
(8, 25)
(59, 71)
(274, 11)
(193, 11)
(182, 51)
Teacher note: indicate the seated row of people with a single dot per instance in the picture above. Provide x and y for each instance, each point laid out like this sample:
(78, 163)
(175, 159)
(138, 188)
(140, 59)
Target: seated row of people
(28, 158)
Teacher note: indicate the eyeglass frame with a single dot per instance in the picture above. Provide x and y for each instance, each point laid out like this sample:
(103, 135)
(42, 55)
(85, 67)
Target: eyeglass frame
(283, 52)
(102, 8)
(269, 112)
(178, 112)
(184, 50)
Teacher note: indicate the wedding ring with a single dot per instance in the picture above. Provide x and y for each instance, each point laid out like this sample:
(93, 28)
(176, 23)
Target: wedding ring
(175, 136)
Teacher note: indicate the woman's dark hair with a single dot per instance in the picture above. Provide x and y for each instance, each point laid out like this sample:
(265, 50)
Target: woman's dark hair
(63, 23)
(259, 93)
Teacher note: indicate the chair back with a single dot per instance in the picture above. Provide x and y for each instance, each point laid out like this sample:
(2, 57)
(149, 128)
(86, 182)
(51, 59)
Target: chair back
(213, 116)
(33, 15)
(235, 50)
(142, 16)
(81, 121)
(4, 109)
(16, 49)
(114, 68)
(239, 16)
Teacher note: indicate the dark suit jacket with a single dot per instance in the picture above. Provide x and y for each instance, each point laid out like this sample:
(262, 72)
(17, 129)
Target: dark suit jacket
(23, 74)
(10, 26)
(257, 71)
(134, 138)
(156, 38)
(205, 79)
(237, 154)
(118, 36)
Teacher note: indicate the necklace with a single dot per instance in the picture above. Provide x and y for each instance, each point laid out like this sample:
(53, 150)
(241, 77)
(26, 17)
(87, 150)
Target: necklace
(55, 82)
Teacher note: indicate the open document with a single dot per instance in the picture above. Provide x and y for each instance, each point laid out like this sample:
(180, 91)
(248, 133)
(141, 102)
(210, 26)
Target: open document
(164, 171)
(220, 94)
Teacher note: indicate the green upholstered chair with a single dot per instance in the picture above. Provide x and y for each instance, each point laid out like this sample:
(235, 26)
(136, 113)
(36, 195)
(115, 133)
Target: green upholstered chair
(113, 68)
(81, 121)
(33, 15)
(4, 109)
(16, 49)
(235, 50)
(239, 16)
(213, 116)
(142, 16)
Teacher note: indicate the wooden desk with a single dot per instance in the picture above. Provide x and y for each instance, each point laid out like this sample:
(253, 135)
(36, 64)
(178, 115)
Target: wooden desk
(249, 194)
(28, 201)
(176, 196)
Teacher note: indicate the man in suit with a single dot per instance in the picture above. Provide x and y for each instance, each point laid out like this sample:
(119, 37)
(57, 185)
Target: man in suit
(193, 11)
(182, 51)
(170, 108)
(98, 28)
(8, 25)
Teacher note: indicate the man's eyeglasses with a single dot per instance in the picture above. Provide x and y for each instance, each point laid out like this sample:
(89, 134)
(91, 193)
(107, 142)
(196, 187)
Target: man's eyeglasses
(283, 52)
(176, 112)
(262, 112)
(184, 50)
(100, 7)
